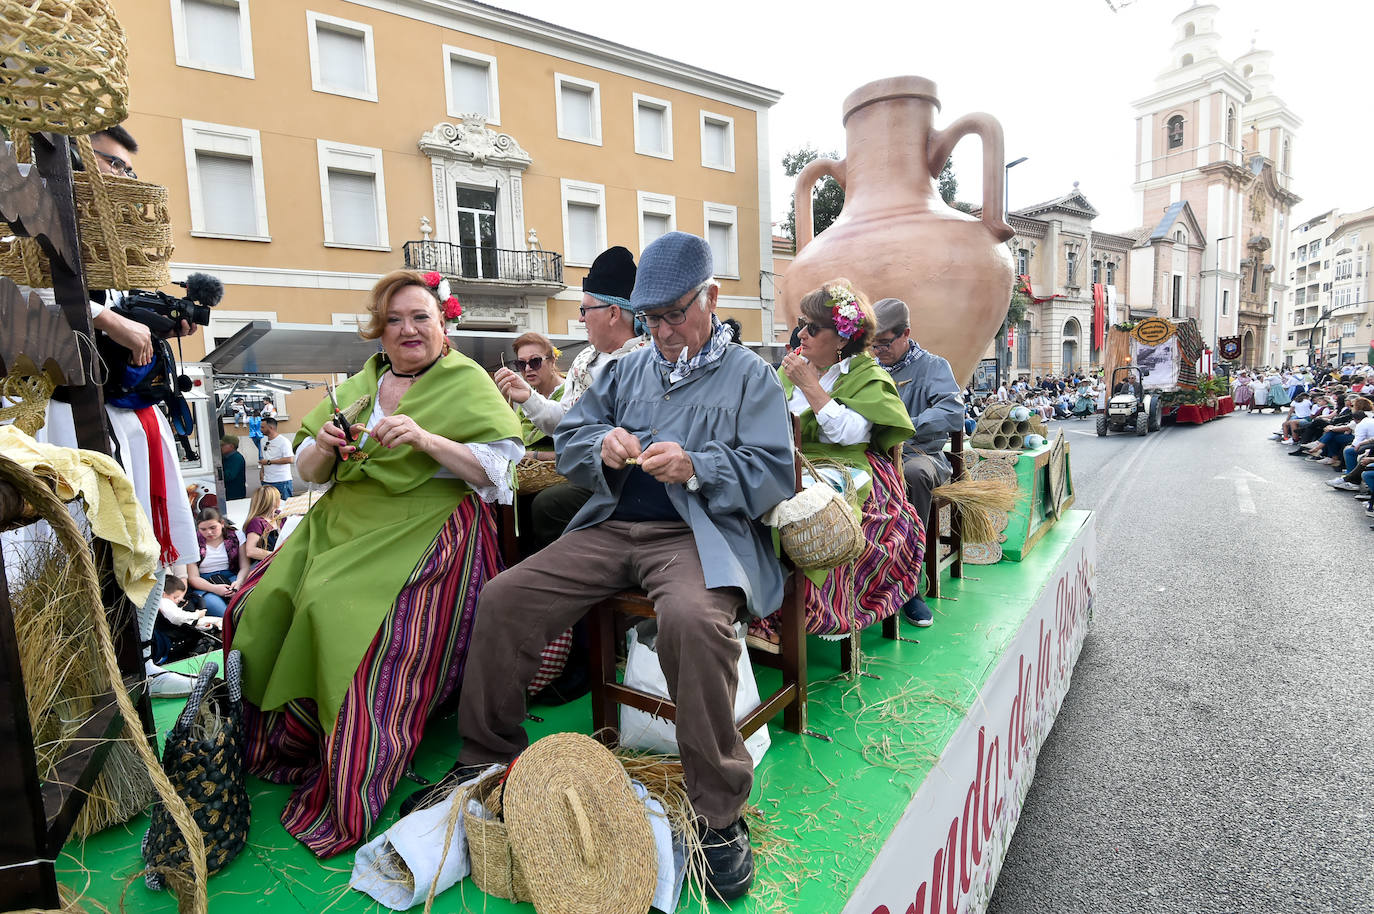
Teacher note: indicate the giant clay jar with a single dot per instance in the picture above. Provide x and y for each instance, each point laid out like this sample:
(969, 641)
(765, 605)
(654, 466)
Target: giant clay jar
(895, 237)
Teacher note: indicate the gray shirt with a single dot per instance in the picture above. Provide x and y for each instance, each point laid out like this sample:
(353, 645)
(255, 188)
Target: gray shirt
(932, 400)
(731, 418)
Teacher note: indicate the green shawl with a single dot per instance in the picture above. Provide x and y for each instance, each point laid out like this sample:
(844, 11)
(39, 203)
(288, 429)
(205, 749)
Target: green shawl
(309, 621)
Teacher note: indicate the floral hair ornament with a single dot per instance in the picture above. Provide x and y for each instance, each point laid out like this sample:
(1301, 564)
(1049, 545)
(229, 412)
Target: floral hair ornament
(844, 312)
(453, 309)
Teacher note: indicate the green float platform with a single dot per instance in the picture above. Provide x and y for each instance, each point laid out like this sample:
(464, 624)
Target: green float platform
(1029, 520)
(911, 799)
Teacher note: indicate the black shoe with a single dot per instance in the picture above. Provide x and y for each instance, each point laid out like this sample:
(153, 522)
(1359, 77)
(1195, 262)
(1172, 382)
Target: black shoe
(729, 859)
(427, 796)
(917, 612)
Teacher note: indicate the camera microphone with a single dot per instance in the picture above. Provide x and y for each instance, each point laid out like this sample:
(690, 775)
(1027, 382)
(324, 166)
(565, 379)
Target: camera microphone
(203, 288)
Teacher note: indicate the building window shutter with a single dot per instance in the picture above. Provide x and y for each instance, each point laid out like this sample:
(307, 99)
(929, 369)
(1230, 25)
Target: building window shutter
(343, 59)
(717, 144)
(577, 111)
(353, 207)
(651, 132)
(718, 234)
(655, 227)
(212, 33)
(226, 189)
(471, 86)
(584, 243)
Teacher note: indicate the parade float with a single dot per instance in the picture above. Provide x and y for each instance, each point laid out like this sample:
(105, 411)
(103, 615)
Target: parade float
(1173, 364)
(892, 788)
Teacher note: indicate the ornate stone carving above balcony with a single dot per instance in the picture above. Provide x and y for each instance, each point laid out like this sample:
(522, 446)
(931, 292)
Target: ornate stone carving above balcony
(473, 141)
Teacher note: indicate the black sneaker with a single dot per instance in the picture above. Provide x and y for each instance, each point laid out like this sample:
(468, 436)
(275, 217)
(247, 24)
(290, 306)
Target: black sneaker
(427, 796)
(729, 859)
(917, 612)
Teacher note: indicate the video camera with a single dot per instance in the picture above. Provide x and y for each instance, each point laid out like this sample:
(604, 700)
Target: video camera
(162, 313)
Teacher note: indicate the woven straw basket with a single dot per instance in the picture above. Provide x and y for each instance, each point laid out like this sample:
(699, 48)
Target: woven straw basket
(828, 537)
(123, 224)
(536, 475)
(66, 66)
(493, 865)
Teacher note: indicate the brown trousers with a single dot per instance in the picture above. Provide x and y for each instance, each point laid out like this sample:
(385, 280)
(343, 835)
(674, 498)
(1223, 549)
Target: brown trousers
(525, 607)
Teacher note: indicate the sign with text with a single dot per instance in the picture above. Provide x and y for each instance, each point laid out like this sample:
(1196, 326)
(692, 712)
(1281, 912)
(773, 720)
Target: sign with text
(947, 849)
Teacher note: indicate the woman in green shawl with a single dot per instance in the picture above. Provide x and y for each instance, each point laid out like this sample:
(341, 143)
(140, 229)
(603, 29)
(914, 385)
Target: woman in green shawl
(358, 626)
(850, 414)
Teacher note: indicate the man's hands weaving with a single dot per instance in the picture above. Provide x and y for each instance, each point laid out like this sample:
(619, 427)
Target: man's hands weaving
(618, 447)
(667, 462)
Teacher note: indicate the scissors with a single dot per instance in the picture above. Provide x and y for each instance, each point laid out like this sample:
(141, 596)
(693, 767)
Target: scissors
(338, 419)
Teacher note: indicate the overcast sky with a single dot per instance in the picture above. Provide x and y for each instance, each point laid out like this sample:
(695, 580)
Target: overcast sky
(1059, 74)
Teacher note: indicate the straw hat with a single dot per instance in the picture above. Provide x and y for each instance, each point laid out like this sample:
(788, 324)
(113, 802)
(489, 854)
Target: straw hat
(580, 834)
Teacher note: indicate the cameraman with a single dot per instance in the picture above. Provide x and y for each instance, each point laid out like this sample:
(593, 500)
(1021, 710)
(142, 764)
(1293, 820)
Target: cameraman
(141, 438)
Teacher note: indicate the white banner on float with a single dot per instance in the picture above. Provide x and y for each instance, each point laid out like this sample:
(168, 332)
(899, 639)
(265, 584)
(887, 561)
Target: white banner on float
(947, 849)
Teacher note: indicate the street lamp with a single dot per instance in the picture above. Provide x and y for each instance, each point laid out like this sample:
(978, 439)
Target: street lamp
(1216, 298)
(1006, 182)
(1001, 344)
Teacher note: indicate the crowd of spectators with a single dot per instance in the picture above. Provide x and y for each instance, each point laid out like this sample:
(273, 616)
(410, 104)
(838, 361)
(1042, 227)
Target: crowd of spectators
(1330, 421)
(1077, 394)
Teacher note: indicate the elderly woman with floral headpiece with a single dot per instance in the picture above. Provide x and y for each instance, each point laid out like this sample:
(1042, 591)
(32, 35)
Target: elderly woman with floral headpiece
(851, 414)
(357, 628)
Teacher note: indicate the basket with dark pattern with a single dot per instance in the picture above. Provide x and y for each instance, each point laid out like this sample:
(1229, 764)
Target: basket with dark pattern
(204, 760)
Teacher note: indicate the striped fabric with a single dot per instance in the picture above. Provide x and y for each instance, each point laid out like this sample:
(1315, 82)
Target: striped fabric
(878, 582)
(416, 662)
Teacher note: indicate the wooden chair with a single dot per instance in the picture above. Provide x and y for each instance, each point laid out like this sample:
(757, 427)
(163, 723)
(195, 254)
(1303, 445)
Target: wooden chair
(789, 656)
(935, 563)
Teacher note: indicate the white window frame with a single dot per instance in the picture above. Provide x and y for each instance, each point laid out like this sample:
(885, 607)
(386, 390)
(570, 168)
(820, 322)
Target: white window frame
(202, 136)
(348, 157)
(590, 194)
(181, 43)
(313, 20)
(662, 104)
(729, 123)
(658, 205)
(493, 82)
(723, 212)
(558, 80)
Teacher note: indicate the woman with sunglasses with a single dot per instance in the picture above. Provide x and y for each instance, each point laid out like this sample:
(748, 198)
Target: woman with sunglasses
(851, 415)
(535, 371)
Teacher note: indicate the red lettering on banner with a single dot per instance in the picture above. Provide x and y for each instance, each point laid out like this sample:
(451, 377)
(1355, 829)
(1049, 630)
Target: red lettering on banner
(1025, 689)
(991, 785)
(1012, 742)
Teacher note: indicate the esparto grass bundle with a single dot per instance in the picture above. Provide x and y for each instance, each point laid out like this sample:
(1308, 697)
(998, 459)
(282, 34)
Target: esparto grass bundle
(976, 500)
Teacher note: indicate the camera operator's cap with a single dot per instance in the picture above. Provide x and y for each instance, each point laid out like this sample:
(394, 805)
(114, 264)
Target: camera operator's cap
(672, 266)
(612, 276)
(889, 314)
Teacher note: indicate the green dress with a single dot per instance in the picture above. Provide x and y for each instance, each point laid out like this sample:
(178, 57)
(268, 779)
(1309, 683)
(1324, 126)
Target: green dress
(309, 620)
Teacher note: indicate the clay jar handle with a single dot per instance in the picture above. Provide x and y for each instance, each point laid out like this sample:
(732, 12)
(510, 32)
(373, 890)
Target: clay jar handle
(801, 196)
(942, 143)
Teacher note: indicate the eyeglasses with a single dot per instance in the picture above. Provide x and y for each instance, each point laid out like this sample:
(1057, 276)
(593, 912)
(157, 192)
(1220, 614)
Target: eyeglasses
(884, 345)
(117, 165)
(672, 318)
(534, 364)
(811, 327)
(583, 309)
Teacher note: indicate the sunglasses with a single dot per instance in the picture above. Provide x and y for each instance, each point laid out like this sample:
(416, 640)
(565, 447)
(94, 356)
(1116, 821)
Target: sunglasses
(533, 364)
(117, 165)
(811, 327)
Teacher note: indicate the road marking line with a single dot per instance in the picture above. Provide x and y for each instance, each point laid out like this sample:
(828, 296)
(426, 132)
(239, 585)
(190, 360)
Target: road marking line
(1121, 474)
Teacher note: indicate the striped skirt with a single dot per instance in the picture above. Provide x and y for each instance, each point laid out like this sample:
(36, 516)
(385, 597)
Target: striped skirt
(415, 662)
(887, 574)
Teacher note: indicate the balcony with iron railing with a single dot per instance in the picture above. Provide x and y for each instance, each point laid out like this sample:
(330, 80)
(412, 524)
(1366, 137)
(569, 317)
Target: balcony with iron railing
(478, 267)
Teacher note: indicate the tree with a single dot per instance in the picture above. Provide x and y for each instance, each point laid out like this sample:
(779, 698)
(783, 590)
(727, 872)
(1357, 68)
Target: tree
(827, 197)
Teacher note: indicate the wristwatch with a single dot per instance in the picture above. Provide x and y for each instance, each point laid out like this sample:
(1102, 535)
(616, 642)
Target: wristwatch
(693, 484)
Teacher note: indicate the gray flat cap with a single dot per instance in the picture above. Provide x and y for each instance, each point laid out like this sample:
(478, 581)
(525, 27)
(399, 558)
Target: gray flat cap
(675, 264)
(890, 313)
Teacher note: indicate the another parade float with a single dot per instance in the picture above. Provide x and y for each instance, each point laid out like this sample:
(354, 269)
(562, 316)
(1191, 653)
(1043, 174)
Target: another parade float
(894, 787)
(1173, 364)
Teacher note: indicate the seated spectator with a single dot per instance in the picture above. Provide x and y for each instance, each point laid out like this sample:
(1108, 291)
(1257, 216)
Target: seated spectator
(1299, 415)
(260, 529)
(1356, 457)
(177, 631)
(222, 566)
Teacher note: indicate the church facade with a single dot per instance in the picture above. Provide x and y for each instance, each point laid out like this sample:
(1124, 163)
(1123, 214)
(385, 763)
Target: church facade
(1214, 135)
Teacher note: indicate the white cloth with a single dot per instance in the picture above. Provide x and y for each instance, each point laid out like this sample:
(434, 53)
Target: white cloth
(1363, 431)
(275, 449)
(839, 424)
(216, 559)
(174, 613)
(672, 855)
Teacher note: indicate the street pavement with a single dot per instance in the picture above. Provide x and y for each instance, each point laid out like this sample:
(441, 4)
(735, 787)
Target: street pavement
(1215, 751)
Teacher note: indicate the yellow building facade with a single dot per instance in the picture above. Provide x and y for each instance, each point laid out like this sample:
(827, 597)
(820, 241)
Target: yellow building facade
(310, 146)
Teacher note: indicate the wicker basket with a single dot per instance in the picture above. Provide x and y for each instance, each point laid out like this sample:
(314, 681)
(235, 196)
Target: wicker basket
(123, 225)
(494, 867)
(828, 537)
(65, 68)
(536, 475)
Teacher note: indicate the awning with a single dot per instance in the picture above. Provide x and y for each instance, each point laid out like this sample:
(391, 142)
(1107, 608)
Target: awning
(264, 347)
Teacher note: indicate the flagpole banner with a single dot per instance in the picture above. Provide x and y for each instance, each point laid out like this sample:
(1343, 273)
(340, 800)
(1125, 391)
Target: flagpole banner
(947, 849)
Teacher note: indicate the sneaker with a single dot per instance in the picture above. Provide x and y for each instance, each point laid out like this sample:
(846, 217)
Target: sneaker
(729, 859)
(1369, 510)
(917, 612)
(166, 684)
(1276, 436)
(1343, 485)
(1285, 441)
(428, 796)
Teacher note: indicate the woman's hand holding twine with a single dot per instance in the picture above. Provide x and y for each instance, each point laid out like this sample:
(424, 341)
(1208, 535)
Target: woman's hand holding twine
(332, 438)
(398, 430)
(513, 387)
(800, 371)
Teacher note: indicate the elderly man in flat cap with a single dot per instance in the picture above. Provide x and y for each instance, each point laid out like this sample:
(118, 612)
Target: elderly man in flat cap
(927, 387)
(684, 444)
